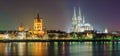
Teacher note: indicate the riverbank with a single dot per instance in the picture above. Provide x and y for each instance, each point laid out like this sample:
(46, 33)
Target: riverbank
(58, 40)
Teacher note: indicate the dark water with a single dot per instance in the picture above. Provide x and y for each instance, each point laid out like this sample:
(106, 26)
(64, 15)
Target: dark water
(60, 49)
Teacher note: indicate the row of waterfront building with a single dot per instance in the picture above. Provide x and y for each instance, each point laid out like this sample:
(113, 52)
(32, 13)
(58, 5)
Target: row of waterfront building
(79, 28)
(79, 24)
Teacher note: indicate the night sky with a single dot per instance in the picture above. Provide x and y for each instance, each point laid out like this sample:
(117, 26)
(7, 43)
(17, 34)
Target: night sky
(57, 14)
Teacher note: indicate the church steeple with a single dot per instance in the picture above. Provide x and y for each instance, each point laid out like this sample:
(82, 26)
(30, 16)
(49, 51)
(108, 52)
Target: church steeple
(74, 15)
(80, 13)
(74, 21)
(79, 16)
(83, 20)
(78, 22)
(38, 29)
(38, 23)
(37, 16)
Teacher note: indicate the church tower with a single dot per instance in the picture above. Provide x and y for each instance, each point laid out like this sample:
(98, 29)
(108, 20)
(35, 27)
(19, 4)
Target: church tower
(80, 17)
(78, 22)
(20, 28)
(74, 21)
(38, 25)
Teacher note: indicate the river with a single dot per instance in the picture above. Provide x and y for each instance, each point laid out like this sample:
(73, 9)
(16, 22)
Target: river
(60, 49)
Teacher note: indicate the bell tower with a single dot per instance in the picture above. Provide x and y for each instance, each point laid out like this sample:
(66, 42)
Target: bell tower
(38, 25)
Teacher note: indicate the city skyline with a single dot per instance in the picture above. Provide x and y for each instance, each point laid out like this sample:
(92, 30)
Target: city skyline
(101, 14)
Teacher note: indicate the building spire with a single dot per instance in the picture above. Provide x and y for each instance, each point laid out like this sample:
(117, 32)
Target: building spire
(37, 15)
(83, 20)
(74, 15)
(80, 13)
(79, 16)
(74, 21)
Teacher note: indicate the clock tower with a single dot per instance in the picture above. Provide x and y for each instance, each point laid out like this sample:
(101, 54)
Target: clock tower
(38, 25)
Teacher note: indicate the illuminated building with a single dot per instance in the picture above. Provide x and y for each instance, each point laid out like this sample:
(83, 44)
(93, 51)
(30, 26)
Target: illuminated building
(38, 25)
(106, 30)
(79, 24)
(21, 35)
(20, 28)
(74, 21)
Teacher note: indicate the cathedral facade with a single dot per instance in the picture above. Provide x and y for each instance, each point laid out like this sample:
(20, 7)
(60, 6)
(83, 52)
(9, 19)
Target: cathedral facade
(79, 24)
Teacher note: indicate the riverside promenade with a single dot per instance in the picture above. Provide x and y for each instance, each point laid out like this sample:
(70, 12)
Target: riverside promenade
(58, 40)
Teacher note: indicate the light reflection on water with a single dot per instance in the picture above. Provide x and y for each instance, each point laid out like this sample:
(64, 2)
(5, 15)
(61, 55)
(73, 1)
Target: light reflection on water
(60, 49)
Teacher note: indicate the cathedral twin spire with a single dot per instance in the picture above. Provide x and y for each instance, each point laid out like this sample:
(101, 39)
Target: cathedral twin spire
(78, 19)
(78, 22)
(74, 15)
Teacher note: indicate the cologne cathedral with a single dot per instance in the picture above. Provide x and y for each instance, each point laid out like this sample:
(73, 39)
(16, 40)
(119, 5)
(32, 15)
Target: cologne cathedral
(79, 24)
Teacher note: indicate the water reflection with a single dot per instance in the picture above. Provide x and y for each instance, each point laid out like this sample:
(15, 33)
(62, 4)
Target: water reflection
(60, 49)
(106, 49)
(116, 49)
(81, 49)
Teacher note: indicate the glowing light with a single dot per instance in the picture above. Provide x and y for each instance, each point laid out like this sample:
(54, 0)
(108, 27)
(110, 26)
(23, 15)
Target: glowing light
(21, 28)
(2, 35)
(21, 35)
(6, 36)
(106, 30)
(68, 31)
